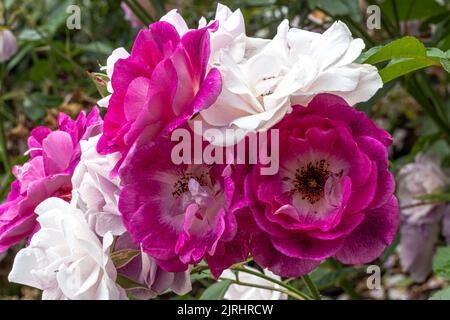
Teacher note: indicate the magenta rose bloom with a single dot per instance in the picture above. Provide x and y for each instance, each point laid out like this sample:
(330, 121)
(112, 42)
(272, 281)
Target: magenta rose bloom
(53, 157)
(333, 194)
(177, 213)
(158, 87)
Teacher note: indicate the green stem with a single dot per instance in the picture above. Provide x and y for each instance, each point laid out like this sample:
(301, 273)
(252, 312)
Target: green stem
(144, 12)
(289, 293)
(280, 283)
(343, 283)
(397, 19)
(312, 287)
(139, 12)
(435, 99)
(3, 146)
(4, 149)
(422, 92)
(159, 7)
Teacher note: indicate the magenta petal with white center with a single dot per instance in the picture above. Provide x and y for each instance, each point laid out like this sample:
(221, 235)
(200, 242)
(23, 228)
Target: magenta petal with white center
(178, 213)
(333, 195)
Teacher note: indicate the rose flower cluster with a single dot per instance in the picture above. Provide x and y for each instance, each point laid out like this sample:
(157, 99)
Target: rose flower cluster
(102, 203)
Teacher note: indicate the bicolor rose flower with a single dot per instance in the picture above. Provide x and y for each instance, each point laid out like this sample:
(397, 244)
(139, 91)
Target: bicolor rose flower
(262, 79)
(95, 192)
(178, 213)
(53, 158)
(145, 270)
(159, 86)
(333, 195)
(238, 292)
(230, 34)
(65, 258)
(8, 45)
(420, 225)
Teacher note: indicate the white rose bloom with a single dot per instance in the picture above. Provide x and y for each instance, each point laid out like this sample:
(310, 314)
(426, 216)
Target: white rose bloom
(8, 45)
(116, 55)
(95, 192)
(65, 258)
(238, 292)
(421, 177)
(263, 79)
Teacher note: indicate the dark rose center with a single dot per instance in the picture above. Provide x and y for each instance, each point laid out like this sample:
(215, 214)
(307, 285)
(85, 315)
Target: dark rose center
(182, 185)
(309, 180)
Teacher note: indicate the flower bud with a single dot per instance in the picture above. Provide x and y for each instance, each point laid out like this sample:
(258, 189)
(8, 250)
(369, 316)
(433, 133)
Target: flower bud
(8, 45)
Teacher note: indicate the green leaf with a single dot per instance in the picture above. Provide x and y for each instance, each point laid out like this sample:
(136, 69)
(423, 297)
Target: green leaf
(445, 64)
(128, 283)
(29, 35)
(441, 263)
(40, 71)
(400, 68)
(444, 57)
(97, 47)
(100, 80)
(411, 9)
(438, 53)
(21, 54)
(407, 54)
(366, 54)
(122, 257)
(443, 294)
(216, 291)
(35, 104)
(406, 47)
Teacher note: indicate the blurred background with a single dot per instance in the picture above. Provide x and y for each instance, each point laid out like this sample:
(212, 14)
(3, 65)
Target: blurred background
(52, 70)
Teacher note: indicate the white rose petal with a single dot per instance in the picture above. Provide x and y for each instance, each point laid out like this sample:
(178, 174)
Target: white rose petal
(116, 55)
(263, 79)
(95, 192)
(230, 34)
(65, 258)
